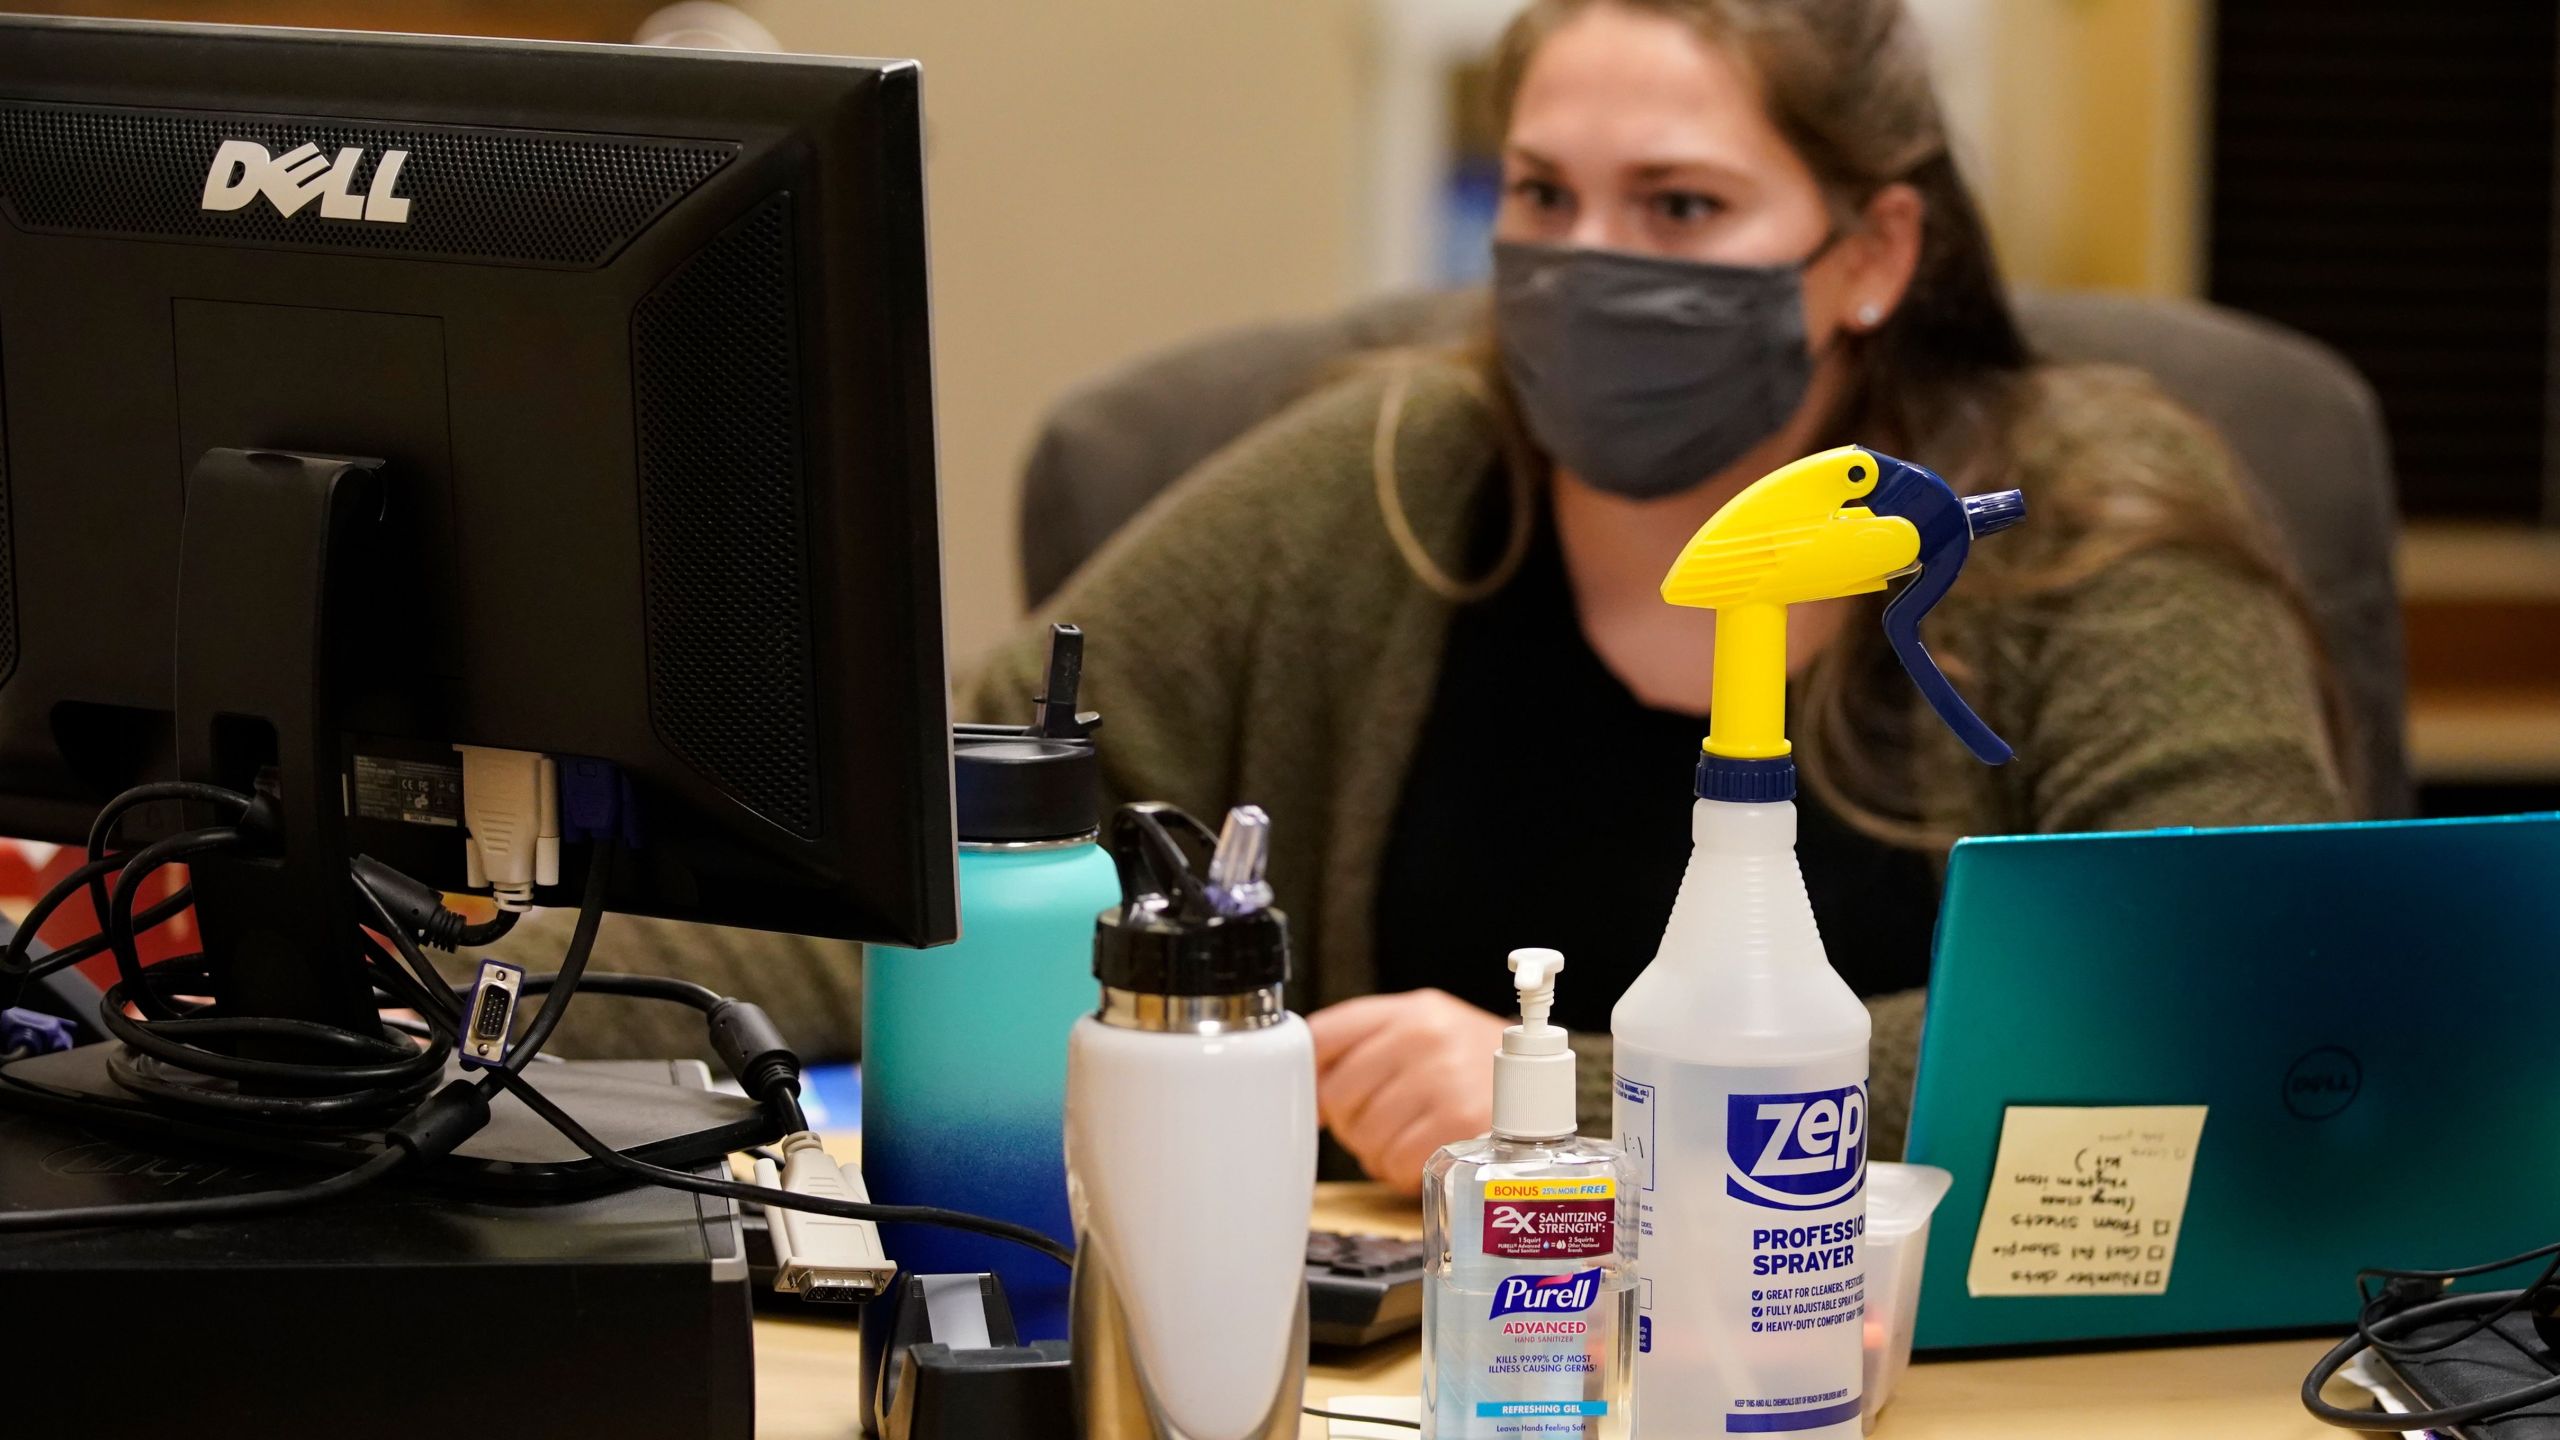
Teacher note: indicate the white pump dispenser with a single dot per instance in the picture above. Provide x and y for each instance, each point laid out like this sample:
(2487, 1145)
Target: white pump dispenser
(1533, 1072)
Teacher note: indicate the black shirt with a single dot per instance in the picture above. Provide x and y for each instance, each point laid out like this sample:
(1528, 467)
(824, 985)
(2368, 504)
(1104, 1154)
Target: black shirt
(1547, 805)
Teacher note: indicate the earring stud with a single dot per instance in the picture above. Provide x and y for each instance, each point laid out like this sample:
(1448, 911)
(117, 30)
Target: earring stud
(1870, 315)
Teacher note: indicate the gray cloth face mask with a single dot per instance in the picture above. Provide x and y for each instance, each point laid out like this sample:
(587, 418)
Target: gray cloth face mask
(1643, 375)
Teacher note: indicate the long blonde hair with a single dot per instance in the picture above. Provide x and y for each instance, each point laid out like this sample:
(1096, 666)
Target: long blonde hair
(1947, 378)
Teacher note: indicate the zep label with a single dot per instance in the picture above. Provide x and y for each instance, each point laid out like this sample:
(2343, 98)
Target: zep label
(1805, 1151)
(1751, 1241)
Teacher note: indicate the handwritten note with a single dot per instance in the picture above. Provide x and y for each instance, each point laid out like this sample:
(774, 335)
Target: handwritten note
(2086, 1200)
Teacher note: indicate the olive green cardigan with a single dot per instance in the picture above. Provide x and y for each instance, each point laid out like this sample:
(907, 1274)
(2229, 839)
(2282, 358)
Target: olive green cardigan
(1255, 636)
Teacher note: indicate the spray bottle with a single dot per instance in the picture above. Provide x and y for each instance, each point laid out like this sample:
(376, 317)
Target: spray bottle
(1741, 1085)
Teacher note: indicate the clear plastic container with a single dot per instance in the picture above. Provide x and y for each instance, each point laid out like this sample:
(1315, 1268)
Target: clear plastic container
(1900, 1200)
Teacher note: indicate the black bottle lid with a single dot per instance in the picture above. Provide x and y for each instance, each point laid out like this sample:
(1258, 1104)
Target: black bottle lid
(1019, 784)
(1176, 933)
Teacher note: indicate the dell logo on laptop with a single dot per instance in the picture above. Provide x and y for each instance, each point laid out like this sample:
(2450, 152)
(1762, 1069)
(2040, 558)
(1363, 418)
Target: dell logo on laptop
(243, 170)
(2323, 1082)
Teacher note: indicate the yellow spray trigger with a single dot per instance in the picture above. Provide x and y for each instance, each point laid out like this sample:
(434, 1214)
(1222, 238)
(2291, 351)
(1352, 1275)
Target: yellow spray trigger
(1792, 536)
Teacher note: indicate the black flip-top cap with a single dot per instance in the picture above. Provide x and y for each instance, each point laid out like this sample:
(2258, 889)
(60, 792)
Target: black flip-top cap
(1042, 781)
(1013, 784)
(1169, 936)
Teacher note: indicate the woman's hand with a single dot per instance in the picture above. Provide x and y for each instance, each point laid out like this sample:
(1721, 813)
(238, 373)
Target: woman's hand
(1399, 1076)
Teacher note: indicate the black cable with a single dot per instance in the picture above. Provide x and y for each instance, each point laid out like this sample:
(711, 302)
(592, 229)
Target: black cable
(637, 987)
(573, 964)
(2373, 1313)
(102, 829)
(2373, 1309)
(418, 1029)
(613, 1159)
(420, 967)
(2465, 1272)
(69, 955)
(781, 1093)
(385, 1072)
(371, 1109)
(487, 932)
(1361, 1419)
(379, 1061)
(2384, 1421)
(398, 987)
(14, 956)
(282, 1140)
(216, 1207)
(384, 1078)
(786, 1106)
(420, 911)
(117, 915)
(394, 985)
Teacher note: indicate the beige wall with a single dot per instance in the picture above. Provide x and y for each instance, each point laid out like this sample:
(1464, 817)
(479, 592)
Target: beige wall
(2093, 164)
(1105, 176)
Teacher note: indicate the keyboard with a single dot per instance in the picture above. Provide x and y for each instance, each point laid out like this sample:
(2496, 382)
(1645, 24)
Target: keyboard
(1362, 1288)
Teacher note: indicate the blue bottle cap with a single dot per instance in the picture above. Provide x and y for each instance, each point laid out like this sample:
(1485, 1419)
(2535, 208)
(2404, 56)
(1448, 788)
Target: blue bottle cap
(1752, 782)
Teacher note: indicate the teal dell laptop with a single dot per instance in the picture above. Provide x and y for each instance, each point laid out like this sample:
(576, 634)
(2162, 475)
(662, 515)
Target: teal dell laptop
(2189, 1081)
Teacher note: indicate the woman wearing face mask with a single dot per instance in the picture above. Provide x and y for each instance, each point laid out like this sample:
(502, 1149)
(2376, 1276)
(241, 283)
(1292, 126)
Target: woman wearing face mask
(1417, 616)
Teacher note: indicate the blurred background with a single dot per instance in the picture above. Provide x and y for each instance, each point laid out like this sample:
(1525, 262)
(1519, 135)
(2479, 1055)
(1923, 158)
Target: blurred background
(1109, 177)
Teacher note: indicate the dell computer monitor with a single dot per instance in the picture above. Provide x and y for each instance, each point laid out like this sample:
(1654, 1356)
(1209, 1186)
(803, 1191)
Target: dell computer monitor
(365, 395)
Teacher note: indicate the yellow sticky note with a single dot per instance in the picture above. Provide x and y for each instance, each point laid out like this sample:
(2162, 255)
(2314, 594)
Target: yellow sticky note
(2086, 1200)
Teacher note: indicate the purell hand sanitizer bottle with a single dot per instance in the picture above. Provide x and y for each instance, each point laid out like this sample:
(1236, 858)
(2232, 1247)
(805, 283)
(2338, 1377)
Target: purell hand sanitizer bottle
(1526, 1309)
(1741, 1085)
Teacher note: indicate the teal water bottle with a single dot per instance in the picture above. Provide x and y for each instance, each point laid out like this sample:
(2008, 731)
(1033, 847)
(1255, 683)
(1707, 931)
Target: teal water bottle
(964, 1048)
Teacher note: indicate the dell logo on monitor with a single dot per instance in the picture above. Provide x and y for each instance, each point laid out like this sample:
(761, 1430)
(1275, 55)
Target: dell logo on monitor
(243, 170)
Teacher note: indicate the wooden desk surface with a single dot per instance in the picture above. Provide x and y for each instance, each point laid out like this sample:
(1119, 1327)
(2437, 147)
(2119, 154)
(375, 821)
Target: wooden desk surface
(805, 1383)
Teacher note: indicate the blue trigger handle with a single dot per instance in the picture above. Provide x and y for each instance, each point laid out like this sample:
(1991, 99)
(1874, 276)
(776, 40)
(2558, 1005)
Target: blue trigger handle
(1947, 524)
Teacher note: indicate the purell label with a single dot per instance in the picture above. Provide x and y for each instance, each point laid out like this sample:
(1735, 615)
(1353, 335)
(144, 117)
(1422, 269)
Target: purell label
(1546, 1294)
(1550, 1219)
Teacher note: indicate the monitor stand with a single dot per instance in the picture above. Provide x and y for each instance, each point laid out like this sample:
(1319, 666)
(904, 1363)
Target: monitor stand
(277, 613)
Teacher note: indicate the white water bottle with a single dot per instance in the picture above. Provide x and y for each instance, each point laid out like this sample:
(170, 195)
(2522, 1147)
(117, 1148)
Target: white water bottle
(1191, 1147)
(1742, 1101)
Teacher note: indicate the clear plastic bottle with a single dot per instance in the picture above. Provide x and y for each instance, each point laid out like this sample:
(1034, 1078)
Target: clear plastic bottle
(1741, 1086)
(1742, 1100)
(1528, 1323)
